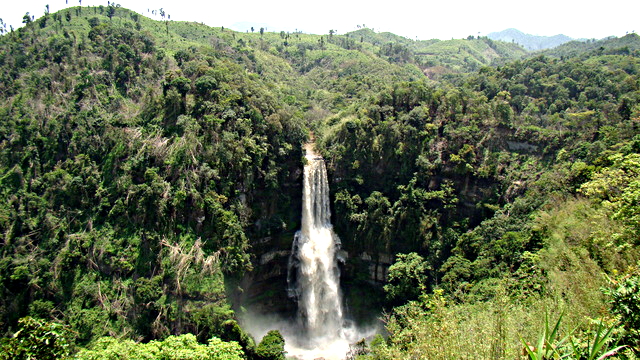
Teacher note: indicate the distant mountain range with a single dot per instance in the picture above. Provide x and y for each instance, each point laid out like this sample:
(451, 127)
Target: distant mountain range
(528, 41)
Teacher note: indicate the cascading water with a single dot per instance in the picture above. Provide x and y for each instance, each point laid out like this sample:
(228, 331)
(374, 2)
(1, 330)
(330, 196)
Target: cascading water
(320, 330)
(314, 276)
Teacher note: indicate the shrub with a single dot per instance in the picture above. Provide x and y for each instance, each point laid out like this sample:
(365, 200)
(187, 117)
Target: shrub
(271, 347)
(37, 339)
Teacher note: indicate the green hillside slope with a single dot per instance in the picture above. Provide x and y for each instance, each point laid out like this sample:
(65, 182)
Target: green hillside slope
(130, 174)
(625, 45)
(436, 57)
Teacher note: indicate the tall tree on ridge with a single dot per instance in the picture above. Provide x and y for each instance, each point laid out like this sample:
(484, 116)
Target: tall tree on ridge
(26, 19)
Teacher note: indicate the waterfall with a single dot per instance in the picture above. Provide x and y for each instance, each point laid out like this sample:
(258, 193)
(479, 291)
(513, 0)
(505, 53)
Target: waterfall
(314, 276)
(320, 330)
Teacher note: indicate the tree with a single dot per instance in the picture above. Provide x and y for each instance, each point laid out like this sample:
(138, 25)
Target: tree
(182, 56)
(205, 84)
(624, 297)
(625, 108)
(93, 22)
(271, 347)
(407, 277)
(26, 19)
(111, 11)
(38, 339)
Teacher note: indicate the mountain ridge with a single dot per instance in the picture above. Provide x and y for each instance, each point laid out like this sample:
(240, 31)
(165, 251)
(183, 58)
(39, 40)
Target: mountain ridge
(528, 41)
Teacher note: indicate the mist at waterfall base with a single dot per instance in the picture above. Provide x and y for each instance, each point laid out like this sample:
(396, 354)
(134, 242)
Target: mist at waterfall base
(298, 345)
(320, 329)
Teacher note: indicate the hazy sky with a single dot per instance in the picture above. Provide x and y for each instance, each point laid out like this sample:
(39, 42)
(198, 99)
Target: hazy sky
(414, 19)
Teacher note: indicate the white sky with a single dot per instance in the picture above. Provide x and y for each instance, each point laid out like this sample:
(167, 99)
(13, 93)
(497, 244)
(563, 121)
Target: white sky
(413, 19)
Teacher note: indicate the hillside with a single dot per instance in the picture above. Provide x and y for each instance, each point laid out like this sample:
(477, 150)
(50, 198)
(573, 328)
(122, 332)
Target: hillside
(459, 56)
(625, 45)
(151, 177)
(439, 58)
(528, 41)
(130, 173)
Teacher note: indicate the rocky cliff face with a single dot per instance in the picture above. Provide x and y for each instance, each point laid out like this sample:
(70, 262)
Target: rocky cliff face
(277, 218)
(264, 288)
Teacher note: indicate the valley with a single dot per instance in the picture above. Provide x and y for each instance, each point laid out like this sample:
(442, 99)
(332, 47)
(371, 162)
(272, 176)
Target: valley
(158, 184)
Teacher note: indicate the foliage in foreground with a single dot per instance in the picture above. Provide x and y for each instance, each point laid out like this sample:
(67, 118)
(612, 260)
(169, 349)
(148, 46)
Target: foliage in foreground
(43, 340)
(38, 339)
(181, 347)
(271, 347)
(431, 328)
(624, 295)
(551, 346)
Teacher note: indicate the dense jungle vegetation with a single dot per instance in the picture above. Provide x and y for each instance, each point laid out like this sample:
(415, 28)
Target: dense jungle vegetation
(146, 165)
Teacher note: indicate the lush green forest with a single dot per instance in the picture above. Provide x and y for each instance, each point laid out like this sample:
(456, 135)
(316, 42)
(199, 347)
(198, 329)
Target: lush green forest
(148, 167)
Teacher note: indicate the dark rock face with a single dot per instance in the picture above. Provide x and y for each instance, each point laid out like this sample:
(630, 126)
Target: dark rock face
(265, 288)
